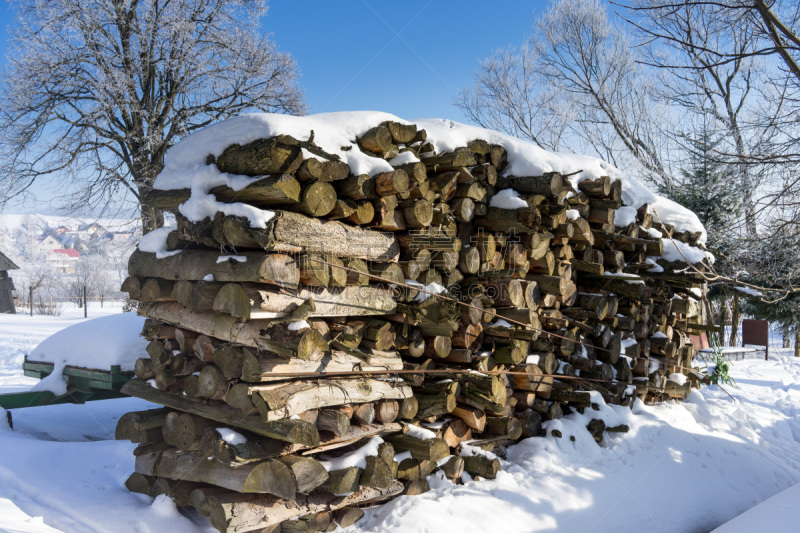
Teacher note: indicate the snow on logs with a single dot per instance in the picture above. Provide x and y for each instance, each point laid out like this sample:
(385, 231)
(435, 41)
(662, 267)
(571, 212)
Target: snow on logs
(331, 321)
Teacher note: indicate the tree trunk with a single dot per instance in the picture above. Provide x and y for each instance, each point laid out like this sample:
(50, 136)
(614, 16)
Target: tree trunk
(723, 318)
(797, 341)
(785, 331)
(152, 216)
(734, 340)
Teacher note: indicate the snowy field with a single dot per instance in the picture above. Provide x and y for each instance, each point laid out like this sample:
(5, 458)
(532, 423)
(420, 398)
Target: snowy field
(682, 467)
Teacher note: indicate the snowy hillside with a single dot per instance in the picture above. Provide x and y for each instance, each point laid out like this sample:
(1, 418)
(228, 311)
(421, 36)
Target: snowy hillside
(681, 467)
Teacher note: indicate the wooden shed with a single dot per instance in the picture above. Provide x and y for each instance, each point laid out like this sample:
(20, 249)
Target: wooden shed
(6, 285)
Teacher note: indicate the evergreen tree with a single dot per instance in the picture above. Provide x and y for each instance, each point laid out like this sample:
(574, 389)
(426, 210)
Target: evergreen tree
(708, 187)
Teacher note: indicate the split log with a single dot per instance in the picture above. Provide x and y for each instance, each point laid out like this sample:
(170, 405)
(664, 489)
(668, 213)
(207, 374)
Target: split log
(342, 481)
(334, 421)
(294, 431)
(364, 414)
(268, 477)
(472, 416)
(308, 472)
(264, 368)
(133, 286)
(378, 473)
(285, 400)
(308, 346)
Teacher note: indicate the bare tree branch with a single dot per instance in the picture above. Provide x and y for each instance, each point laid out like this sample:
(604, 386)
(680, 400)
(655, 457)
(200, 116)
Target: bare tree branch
(97, 92)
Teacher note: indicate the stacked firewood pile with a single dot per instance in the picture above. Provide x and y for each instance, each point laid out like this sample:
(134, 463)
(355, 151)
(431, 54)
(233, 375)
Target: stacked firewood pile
(380, 329)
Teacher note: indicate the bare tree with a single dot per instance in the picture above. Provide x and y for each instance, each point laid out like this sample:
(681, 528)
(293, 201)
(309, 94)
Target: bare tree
(582, 82)
(98, 91)
(775, 26)
(105, 282)
(507, 95)
(574, 84)
(695, 81)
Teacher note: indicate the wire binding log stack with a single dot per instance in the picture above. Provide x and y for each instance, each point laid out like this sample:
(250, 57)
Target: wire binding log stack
(375, 330)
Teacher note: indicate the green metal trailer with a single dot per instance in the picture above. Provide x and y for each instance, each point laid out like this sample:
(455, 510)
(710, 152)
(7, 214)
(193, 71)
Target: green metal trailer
(83, 385)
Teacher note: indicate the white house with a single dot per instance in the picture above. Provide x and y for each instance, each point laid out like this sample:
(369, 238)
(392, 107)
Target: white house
(63, 260)
(49, 244)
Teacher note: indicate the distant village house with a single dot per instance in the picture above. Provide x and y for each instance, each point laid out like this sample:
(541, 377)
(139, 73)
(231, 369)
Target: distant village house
(63, 260)
(49, 243)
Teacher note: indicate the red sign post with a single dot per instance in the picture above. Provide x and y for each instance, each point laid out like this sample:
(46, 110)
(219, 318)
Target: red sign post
(756, 332)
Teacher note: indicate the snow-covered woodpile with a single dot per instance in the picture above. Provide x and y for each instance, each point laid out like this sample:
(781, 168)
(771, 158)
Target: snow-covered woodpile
(350, 303)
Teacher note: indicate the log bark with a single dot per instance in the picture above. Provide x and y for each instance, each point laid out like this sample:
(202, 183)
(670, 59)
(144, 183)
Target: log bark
(263, 156)
(134, 426)
(510, 220)
(548, 185)
(254, 301)
(281, 189)
(376, 140)
(390, 183)
(427, 449)
(295, 233)
(478, 465)
(195, 265)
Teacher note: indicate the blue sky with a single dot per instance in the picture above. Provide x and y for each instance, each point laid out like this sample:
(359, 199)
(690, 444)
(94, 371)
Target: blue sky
(408, 58)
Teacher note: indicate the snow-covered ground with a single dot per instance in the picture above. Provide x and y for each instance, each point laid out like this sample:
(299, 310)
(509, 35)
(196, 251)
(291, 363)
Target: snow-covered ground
(686, 467)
